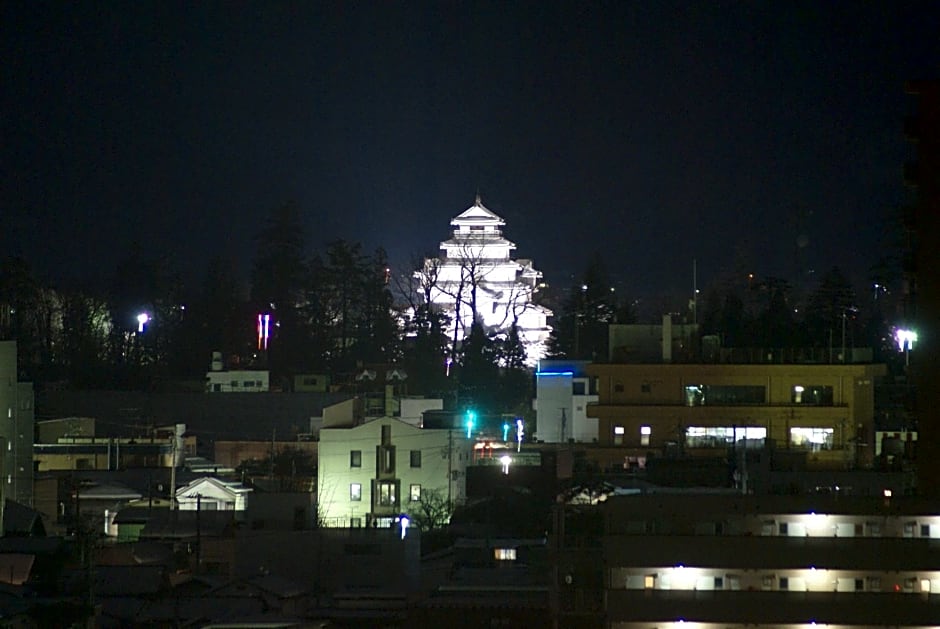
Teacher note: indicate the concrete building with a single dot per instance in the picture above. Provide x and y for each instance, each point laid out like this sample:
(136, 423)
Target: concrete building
(70, 443)
(562, 394)
(17, 416)
(238, 381)
(476, 277)
(371, 473)
(825, 411)
(739, 561)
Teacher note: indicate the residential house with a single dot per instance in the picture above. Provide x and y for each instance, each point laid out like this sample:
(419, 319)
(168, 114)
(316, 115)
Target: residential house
(212, 494)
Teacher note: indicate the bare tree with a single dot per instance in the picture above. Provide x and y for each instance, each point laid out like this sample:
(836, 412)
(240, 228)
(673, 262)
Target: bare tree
(432, 511)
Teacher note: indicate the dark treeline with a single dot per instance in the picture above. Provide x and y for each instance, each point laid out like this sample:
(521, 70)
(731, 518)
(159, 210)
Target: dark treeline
(741, 311)
(334, 311)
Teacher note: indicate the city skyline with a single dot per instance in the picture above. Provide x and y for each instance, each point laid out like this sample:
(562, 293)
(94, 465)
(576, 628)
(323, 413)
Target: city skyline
(755, 135)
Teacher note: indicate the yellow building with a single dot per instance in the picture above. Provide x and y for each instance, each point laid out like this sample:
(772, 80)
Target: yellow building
(826, 411)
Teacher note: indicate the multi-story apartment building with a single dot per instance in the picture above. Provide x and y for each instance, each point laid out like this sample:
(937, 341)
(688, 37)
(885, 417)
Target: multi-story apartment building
(739, 561)
(826, 411)
(17, 416)
(373, 472)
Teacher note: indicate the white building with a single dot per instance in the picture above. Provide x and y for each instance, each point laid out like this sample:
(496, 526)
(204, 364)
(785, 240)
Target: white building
(212, 494)
(476, 277)
(371, 473)
(562, 393)
(221, 380)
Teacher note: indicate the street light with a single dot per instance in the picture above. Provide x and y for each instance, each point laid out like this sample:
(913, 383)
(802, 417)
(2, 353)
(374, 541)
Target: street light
(470, 421)
(142, 320)
(505, 460)
(905, 340)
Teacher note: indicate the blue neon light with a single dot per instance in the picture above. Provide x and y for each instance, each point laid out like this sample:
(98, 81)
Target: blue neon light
(554, 373)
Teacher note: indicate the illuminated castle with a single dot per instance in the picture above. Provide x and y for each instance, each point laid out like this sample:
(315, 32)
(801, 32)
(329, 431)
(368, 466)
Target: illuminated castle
(475, 278)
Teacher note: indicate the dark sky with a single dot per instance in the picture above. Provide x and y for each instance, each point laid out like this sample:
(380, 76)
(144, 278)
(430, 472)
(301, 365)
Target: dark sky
(651, 131)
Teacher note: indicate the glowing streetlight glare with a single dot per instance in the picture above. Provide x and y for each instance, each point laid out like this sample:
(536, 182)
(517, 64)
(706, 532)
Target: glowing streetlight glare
(905, 339)
(505, 460)
(142, 320)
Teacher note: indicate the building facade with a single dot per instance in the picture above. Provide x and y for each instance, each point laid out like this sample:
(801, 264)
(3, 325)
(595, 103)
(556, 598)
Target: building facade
(475, 277)
(16, 430)
(638, 562)
(372, 473)
(826, 411)
(562, 395)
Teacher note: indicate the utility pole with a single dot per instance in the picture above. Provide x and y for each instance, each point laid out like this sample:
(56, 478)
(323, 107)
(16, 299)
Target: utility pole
(450, 462)
(173, 473)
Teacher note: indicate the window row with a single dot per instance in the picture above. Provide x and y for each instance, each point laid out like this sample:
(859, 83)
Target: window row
(386, 493)
(803, 580)
(388, 458)
(815, 439)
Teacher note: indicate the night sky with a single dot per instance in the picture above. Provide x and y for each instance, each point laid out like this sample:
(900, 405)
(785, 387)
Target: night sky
(653, 132)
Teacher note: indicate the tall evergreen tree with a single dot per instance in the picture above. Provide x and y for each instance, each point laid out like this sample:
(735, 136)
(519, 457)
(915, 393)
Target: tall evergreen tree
(279, 275)
(580, 330)
(829, 307)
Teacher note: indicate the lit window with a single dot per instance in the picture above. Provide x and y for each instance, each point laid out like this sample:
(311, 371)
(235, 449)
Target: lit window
(504, 554)
(649, 581)
(645, 432)
(618, 430)
(814, 439)
(387, 494)
(415, 493)
(355, 492)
